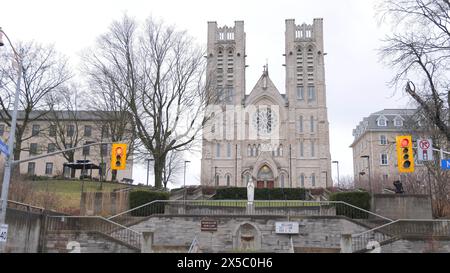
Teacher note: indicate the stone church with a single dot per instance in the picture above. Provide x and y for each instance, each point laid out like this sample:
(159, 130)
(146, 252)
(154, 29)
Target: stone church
(275, 139)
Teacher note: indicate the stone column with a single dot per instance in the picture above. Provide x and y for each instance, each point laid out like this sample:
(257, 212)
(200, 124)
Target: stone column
(346, 243)
(147, 242)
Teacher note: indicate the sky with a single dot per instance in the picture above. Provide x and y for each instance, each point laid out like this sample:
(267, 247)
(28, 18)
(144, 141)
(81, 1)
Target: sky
(356, 79)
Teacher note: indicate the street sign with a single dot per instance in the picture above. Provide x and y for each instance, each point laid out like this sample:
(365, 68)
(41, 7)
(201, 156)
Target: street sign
(3, 233)
(4, 148)
(425, 149)
(445, 164)
(286, 228)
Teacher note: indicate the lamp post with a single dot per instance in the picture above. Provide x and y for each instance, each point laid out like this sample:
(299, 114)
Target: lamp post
(337, 163)
(370, 182)
(11, 138)
(148, 167)
(184, 195)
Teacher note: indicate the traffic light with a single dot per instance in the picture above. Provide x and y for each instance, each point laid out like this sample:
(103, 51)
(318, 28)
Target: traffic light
(118, 156)
(405, 155)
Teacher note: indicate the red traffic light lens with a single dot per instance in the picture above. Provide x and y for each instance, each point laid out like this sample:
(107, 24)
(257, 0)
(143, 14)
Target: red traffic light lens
(119, 151)
(404, 142)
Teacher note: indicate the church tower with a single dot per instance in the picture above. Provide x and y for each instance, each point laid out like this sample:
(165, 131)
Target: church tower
(306, 92)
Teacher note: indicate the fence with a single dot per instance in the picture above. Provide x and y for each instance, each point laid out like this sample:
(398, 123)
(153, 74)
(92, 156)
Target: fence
(240, 208)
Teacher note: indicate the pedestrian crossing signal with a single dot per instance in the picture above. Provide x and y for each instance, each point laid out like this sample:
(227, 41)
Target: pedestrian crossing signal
(118, 156)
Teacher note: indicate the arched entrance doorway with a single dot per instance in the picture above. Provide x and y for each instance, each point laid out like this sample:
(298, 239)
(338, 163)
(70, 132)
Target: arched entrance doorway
(265, 178)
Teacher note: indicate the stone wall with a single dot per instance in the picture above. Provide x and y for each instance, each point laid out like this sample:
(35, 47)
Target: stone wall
(84, 242)
(315, 232)
(403, 206)
(417, 245)
(23, 231)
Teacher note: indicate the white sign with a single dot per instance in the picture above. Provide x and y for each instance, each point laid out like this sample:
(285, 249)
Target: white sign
(425, 149)
(3, 233)
(286, 228)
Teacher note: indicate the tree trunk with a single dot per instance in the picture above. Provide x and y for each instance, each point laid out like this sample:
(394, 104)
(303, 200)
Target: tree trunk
(158, 170)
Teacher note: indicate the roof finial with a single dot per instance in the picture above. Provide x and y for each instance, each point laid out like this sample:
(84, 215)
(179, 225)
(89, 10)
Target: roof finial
(266, 69)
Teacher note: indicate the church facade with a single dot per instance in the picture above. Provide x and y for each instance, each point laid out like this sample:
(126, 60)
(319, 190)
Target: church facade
(276, 140)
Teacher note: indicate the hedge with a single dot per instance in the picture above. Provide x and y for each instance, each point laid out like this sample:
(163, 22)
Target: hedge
(260, 194)
(358, 199)
(140, 197)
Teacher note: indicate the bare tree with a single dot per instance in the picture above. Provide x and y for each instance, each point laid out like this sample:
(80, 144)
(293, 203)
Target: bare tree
(174, 167)
(43, 72)
(160, 73)
(64, 118)
(419, 50)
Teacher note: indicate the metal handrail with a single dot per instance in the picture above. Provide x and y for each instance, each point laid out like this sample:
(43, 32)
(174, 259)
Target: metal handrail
(194, 242)
(187, 202)
(400, 220)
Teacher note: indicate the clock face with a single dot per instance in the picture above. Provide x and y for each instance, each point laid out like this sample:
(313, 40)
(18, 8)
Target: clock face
(264, 121)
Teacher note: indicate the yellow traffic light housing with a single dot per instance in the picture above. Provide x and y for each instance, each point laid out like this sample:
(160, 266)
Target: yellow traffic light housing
(405, 154)
(118, 156)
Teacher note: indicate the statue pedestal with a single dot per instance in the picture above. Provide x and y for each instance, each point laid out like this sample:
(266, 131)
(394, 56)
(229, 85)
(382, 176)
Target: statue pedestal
(250, 208)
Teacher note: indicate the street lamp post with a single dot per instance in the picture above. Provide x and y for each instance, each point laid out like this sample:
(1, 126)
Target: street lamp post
(11, 138)
(148, 167)
(337, 163)
(370, 181)
(184, 183)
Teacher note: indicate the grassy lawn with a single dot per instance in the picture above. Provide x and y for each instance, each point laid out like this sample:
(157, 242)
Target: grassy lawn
(69, 191)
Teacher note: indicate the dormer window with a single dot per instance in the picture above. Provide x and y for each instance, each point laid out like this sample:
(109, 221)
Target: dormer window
(382, 121)
(398, 122)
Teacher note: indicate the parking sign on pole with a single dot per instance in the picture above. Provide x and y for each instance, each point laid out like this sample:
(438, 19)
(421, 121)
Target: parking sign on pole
(425, 149)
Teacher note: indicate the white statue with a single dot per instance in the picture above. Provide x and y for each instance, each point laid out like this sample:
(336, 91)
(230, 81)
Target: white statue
(250, 192)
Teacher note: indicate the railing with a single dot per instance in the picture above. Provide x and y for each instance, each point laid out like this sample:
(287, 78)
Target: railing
(24, 207)
(401, 228)
(95, 224)
(239, 208)
(194, 248)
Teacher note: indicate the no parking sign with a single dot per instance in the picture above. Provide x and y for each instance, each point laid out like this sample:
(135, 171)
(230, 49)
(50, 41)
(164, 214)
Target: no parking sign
(425, 149)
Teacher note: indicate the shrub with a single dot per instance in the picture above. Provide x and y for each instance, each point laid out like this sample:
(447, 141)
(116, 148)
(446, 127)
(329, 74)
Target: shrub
(260, 194)
(140, 197)
(358, 199)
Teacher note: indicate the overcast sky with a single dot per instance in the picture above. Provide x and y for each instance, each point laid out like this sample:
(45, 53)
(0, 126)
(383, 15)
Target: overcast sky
(356, 81)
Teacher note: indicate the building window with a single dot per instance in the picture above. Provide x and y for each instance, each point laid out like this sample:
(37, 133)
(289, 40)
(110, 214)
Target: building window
(300, 124)
(87, 150)
(31, 168)
(313, 180)
(52, 131)
(313, 149)
(217, 150)
(33, 148)
(105, 131)
(66, 171)
(51, 148)
(312, 124)
(384, 159)
(249, 150)
(300, 95)
(383, 140)
(217, 180)
(35, 130)
(302, 180)
(229, 150)
(228, 180)
(311, 93)
(398, 122)
(302, 149)
(48, 168)
(87, 130)
(70, 130)
(104, 150)
(280, 151)
(382, 122)
(2, 129)
(282, 181)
